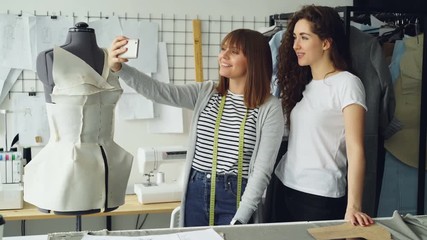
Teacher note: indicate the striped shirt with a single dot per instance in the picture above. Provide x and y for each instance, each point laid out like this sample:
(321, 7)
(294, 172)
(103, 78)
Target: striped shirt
(228, 135)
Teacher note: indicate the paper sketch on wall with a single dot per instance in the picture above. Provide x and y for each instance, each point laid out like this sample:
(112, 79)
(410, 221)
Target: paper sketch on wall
(132, 105)
(30, 119)
(147, 33)
(15, 42)
(106, 30)
(132, 102)
(163, 114)
(8, 78)
(50, 31)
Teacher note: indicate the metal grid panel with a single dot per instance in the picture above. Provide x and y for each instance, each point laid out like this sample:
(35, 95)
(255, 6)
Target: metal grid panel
(176, 31)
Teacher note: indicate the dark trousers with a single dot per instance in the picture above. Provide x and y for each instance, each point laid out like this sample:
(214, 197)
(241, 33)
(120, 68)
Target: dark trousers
(283, 204)
(274, 197)
(300, 206)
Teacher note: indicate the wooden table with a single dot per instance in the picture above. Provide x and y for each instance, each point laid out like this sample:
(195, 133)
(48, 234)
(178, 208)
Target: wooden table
(131, 207)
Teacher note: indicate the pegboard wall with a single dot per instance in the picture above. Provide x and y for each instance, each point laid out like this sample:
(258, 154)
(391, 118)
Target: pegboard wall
(176, 31)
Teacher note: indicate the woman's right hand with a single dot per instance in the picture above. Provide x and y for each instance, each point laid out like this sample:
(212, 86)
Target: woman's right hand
(114, 60)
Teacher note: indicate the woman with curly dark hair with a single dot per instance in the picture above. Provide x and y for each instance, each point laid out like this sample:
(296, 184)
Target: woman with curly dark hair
(325, 108)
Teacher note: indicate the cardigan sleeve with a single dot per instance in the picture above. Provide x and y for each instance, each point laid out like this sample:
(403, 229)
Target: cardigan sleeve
(269, 137)
(184, 96)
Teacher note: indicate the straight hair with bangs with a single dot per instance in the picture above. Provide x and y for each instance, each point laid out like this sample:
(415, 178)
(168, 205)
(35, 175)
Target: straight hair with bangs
(256, 49)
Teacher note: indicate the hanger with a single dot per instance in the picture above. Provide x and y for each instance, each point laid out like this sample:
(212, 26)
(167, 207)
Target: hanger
(279, 24)
(408, 27)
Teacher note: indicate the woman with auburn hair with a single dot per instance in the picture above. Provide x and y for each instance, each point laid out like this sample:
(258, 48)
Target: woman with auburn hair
(235, 133)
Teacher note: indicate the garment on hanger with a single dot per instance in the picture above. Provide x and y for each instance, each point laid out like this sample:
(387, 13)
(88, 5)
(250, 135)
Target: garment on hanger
(368, 63)
(274, 43)
(401, 162)
(398, 50)
(404, 145)
(81, 168)
(269, 32)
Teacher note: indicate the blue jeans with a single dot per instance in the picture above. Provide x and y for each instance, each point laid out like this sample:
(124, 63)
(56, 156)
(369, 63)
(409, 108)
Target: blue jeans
(198, 198)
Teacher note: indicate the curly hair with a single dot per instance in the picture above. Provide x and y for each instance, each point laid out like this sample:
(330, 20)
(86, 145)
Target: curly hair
(292, 78)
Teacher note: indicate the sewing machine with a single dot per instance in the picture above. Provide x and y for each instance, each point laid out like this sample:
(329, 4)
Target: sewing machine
(162, 168)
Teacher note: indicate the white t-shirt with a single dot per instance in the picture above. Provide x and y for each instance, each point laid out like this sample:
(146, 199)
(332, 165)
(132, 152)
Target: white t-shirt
(316, 160)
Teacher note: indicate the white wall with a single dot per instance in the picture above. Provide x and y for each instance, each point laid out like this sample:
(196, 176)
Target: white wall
(133, 134)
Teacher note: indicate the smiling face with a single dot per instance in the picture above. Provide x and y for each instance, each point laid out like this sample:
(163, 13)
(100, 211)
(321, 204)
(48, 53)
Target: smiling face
(309, 48)
(232, 63)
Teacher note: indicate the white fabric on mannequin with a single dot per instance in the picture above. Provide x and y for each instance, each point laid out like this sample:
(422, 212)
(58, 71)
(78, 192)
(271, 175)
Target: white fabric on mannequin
(81, 168)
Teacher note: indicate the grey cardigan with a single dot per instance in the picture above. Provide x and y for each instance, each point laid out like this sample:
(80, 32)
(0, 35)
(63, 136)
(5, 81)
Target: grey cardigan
(195, 96)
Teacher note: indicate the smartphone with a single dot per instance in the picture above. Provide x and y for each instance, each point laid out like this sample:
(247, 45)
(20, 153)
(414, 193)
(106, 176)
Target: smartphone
(132, 46)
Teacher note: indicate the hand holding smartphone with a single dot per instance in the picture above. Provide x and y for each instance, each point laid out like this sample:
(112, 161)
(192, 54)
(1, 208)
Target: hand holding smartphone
(132, 46)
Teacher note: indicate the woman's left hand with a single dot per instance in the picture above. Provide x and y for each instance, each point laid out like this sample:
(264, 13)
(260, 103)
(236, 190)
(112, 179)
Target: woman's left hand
(357, 217)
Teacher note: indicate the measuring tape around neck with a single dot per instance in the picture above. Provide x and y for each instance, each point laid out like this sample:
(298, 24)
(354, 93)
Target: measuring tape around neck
(215, 158)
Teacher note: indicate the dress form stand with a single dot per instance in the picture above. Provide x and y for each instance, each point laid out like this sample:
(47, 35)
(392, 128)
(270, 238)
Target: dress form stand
(81, 42)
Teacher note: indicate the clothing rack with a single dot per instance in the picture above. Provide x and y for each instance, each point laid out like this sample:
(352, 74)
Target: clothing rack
(347, 13)
(422, 16)
(279, 17)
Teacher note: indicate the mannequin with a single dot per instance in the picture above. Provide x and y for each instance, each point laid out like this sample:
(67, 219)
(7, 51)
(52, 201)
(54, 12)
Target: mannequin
(81, 170)
(81, 41)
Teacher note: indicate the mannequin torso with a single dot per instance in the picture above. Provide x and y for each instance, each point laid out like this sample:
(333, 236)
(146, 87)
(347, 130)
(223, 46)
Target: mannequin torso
(81, 41)
(81, 170)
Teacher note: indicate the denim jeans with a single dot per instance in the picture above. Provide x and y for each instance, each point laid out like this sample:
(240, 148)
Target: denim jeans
(198, 198)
